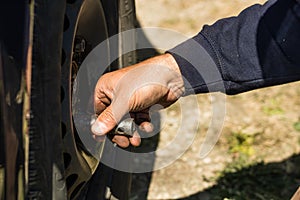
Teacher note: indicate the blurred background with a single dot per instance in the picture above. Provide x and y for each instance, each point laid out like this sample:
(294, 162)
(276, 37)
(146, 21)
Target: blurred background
(257, 155)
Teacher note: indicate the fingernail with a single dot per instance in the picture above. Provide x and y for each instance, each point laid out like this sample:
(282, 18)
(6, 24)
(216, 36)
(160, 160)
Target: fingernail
(98, 128)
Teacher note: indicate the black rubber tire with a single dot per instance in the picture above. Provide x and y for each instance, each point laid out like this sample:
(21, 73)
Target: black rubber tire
(46, 168)
(57, 169)
(11, 145)
(13, 47)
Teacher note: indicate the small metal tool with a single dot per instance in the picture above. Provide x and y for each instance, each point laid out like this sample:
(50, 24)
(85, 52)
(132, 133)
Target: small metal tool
(126, 127)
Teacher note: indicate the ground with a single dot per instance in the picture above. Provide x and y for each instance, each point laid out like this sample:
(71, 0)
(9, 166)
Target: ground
(257, 155)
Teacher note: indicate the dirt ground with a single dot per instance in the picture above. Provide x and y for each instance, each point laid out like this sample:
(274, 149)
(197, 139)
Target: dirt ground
(258, 153)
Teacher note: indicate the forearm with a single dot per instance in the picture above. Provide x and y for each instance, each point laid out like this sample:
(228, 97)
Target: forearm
(256, 49)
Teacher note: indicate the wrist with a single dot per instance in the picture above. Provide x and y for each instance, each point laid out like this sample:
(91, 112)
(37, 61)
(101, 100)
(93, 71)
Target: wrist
(169, 69)
(176, 83)
(171, 63)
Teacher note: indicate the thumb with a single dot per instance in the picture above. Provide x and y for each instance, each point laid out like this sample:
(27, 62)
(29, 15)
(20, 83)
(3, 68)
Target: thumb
(105, 122)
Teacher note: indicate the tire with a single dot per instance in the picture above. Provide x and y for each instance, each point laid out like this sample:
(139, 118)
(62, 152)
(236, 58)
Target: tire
(59, 165)
(11, 145)
(46, 167)
(13, 43)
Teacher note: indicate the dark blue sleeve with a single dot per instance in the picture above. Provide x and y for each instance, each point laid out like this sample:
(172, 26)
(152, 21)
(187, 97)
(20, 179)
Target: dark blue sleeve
(258, 48)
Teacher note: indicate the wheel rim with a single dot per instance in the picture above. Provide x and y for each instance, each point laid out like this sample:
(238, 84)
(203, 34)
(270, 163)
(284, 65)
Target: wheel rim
(84, 28)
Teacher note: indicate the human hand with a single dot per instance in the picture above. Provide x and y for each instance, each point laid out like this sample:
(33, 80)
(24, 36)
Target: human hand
(135, 90)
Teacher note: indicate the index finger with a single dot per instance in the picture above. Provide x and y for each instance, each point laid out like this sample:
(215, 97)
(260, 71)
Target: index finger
(100, 104)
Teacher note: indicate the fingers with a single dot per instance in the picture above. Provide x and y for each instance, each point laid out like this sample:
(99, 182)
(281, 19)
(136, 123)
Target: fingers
(135, 140)
(141, 116)
(100, 129)
(124, 141)
(146, 127)
(142, 119)
(101, 102)
(105, 122)
(121, 141)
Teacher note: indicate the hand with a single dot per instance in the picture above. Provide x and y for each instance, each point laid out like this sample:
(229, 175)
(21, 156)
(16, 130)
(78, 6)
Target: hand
(135, 90)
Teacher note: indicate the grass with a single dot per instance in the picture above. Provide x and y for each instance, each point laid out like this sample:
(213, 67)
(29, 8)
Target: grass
(297, 126)
(273, 108)
(258, 181)
(241, 143)
(246, 178)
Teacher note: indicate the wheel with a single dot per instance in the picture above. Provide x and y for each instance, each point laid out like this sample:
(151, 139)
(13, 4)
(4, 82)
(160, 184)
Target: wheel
(11, 151)
(64, 33)
(13, 42)
(45, 161)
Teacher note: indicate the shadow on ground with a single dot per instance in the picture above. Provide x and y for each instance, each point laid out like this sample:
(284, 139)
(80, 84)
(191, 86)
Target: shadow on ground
(263, 181)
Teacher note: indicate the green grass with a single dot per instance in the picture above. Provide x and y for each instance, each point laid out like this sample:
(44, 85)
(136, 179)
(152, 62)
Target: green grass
(297, 126)
(273, 108)
(241, 143)
(246, 178)
(261, 181)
